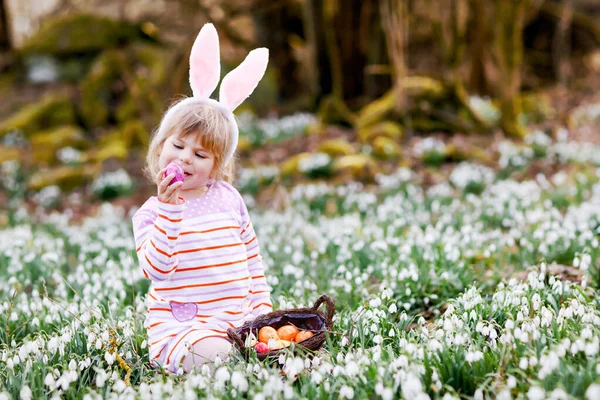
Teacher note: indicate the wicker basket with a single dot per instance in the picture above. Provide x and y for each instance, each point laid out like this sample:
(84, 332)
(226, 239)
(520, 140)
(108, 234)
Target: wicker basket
(309, 319)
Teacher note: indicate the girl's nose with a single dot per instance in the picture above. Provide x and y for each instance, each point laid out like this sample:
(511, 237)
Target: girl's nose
(184, 157)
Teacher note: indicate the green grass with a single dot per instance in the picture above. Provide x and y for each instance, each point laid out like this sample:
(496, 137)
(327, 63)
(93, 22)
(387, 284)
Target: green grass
(432, 295)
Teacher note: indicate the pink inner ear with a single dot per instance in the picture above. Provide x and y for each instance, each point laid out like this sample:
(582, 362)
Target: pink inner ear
(205, 62)
(241, 82)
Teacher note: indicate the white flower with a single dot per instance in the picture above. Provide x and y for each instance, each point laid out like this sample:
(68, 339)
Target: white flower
(511, 382)
(119, 386)
(346, 392)
(25, 393)
(101, 377)
(474, 356)
(593, 392)
(222, 375)
(352, 369)
(238, 381)
(536, 393)
(109, 358)
(411, 386)
(376, 302)
(559, 394)
(316, 377)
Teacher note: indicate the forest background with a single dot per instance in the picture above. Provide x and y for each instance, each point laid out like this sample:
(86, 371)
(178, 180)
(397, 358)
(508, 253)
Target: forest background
(84, 83)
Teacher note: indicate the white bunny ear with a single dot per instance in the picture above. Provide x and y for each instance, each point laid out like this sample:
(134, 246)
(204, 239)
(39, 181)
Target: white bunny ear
(205, 64)
(241, 82)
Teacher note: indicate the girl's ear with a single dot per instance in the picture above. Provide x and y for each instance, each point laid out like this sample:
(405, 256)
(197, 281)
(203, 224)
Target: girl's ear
(205, 62)
(241, 82)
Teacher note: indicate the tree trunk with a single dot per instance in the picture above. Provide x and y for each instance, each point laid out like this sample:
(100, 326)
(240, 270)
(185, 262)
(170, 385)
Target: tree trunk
(510, 22)
(561, 52)
(479, 36)
(281, 25)
(4, 31)
(347, 37)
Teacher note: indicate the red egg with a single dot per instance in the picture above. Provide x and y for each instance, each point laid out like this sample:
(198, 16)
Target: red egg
(173, 168)
(261, 347)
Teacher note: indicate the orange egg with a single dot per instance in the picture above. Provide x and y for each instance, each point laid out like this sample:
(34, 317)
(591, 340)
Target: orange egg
(266, 333)
(303, 335)
(287, 332)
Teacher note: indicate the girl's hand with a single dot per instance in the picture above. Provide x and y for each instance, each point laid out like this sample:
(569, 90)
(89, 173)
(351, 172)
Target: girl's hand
(167, 194)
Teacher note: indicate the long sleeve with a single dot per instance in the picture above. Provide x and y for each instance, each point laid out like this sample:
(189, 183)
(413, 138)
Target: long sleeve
(261, 293)
(156, 234)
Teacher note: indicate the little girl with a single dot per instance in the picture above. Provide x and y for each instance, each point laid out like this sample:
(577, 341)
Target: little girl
(194, 240)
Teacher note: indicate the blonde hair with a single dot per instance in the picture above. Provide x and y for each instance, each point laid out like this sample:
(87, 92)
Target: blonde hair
(207, 125)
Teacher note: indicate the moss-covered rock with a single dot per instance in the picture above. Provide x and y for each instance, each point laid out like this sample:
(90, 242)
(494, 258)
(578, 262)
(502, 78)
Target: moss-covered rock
(357, 166)
(134, 134)
(97, 89)
(49, 112)
(458, 153)
(337, 147)
(424, 87)
(81, 33)
(386, 148)
(45, 143)
(124, 84)
(377, 110)
(387, 129)
(112, 147)
(65, 177)
(537, 107)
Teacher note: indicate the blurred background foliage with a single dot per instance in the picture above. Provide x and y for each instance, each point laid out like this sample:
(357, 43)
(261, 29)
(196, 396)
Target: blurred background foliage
(349, 84)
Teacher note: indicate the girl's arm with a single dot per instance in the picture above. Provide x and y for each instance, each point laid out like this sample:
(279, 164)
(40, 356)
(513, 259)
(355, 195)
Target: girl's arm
(260, 291)
(156, 234)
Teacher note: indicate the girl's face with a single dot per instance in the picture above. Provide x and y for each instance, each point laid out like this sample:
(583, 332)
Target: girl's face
(196, 162)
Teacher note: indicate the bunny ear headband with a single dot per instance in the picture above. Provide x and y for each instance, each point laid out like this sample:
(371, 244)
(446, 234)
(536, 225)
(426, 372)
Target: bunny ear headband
(205, 71)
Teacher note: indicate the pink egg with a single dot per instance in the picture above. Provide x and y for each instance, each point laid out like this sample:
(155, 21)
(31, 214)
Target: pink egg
(173, 168)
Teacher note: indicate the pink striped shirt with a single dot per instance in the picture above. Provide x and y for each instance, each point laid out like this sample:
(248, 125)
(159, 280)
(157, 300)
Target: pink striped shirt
(204, 252)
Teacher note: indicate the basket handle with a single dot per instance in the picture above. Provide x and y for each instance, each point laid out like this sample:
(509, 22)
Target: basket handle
(235, 337)
(330, 309)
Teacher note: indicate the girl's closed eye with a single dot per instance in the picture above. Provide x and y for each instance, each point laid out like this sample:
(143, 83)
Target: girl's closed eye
(177, 146)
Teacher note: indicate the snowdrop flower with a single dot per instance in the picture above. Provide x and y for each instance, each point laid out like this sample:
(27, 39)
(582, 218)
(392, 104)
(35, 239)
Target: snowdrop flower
(593, 392)
(478, 395)
(559, 394)
(316, 377)
(25, 393)
(511, 382)
(119, 386)
(536, 393)
(239, 381)
(222, 375)
(376, 302)
(109, 358)
(101, 377)
(346, 392)
(49, 381)
(474, 356)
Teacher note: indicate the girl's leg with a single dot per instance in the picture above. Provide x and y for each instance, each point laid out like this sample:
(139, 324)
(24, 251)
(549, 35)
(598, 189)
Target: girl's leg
(205, 351)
